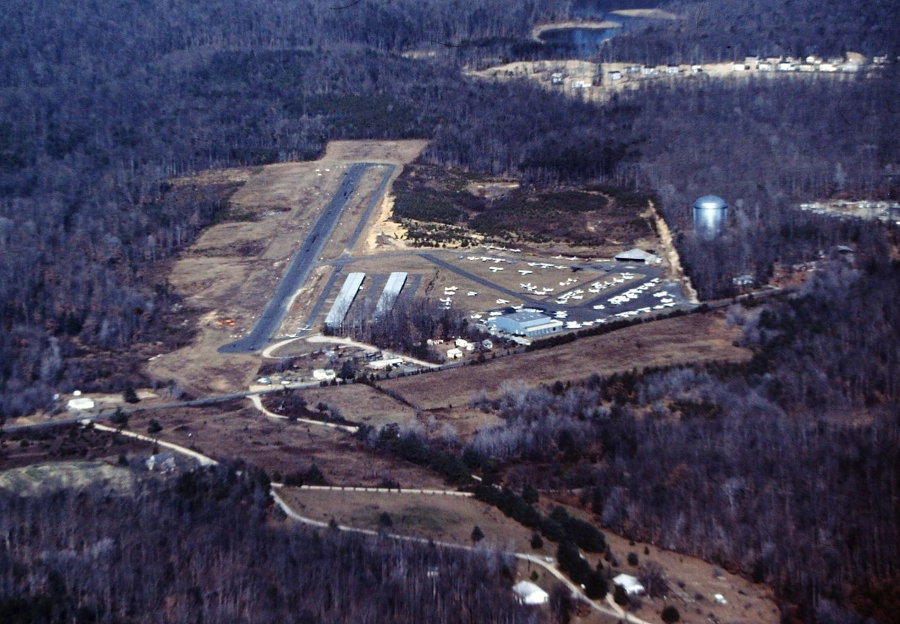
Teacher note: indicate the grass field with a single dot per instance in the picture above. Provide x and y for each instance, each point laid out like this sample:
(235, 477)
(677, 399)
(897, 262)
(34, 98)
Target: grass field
(683, 340)
(234, 430)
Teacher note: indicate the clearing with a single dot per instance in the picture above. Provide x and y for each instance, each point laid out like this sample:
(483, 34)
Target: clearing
(681, 340)
(233, 268)
(236, 430)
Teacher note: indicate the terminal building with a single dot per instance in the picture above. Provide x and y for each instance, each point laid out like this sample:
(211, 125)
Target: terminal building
(527, 323)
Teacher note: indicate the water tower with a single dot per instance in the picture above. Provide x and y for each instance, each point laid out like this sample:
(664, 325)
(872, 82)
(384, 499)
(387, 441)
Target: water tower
(710, 212)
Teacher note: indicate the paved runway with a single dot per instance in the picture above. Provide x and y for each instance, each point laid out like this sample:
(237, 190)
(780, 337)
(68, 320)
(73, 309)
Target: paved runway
(308, 254)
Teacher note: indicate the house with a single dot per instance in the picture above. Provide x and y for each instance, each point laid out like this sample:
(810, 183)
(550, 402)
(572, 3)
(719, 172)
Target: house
(487, 344)
(630, 584)
(556, 78)
(806, 67)
(324, 374)
(161, 462)
(454, 354)
(696, 69)
(827, 67)
(615, 75)
(672, 70)
(765, 66)
(529, 593)
(648, 71)
(743, 280)
(739, 67)
(461, 343)
(633, 70)
(785, 66)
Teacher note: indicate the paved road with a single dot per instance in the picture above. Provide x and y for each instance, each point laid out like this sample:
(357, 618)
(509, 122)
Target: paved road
(306, 257)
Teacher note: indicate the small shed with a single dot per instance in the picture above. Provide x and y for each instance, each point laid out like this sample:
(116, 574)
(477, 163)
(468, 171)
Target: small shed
(530, 594)
(630, 584)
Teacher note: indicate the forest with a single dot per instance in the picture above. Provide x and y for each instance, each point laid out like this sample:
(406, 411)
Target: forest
(210, 546)
(784, 468)
(94, 122)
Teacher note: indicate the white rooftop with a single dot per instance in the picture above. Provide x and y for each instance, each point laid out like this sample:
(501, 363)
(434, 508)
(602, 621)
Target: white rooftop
(630, 584)
(529, 593)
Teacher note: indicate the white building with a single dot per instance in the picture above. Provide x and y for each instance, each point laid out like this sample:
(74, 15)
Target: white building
(80, 404)
(630, 584)
(454, 354)
(529, 593)
(526, 323)
(615, 75)
(324, 374)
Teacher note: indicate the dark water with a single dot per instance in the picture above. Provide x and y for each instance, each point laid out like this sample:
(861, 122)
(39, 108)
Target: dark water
(583, 42)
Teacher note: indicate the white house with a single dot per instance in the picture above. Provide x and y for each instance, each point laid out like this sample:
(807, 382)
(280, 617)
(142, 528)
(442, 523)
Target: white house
(462, 343)
(454, 354)
(630, 584)
(615, 75)
(529, 593)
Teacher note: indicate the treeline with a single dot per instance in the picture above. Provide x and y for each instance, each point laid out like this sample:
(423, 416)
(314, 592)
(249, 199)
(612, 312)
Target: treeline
(733, 29)
(783, 468)
(409, 326)
(757, 144)
(205, 547)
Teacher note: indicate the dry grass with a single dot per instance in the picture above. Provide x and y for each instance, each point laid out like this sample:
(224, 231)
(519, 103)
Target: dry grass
(444, 518)
(360, 403)
(693, 338)
(396, 152)
(233, 431)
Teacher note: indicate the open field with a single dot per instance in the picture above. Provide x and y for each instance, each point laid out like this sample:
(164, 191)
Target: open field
(360, 403)
(37, 479)
(683, 340)
(235, 430)
(443, 518)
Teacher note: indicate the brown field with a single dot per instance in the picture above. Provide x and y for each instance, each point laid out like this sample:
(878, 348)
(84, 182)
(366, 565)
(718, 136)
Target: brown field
(693, 338)
(361, 404)
(444, 518)
(234, 267)
(234, 430)
(688, 577)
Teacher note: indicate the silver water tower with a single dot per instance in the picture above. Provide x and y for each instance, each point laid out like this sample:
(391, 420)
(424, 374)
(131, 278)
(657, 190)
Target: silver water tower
(710, 212)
